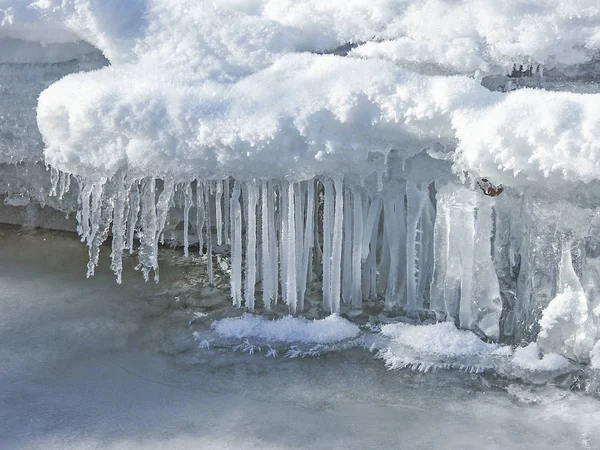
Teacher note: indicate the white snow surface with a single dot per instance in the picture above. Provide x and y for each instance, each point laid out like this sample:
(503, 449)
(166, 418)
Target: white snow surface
(442, 345)
(288, 329)
(224, 88)
(530, 358)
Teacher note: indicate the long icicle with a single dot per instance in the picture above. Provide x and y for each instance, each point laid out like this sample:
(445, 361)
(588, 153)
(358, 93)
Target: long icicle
(119, 227)
(236, 247)
(337, 245)
(209, 240)
(200, 215)
(186, 218)
(251, 244)
(291, 251)
(357, 233)
(267, 272)
(308, 241)
(327, 226)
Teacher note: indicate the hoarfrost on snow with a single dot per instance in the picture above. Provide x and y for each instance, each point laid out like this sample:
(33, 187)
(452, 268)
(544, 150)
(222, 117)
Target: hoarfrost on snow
(287, 329)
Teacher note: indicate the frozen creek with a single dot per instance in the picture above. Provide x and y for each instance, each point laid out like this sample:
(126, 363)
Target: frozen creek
(91, 364)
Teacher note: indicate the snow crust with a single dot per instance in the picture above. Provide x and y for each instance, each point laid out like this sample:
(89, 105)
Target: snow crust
(288, 329)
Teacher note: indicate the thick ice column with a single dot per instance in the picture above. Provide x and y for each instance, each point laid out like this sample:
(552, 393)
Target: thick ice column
(308, 243)
(274, 251)
(416, 199)
(268, 271)
(347, 249)
(357, 242)
(395, 232)
(336, 258)
(290, 244)
(236, 246)
(328, 205)
(465, 286)
(486, 305)
(251, 244)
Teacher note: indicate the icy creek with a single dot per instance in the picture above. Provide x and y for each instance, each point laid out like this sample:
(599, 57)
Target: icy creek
(91, 364)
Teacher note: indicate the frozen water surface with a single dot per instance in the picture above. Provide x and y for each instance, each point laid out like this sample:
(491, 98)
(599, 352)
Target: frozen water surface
(93, 364)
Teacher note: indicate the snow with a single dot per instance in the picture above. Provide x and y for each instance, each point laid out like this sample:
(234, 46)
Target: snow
(442, 345)
(529, 358)
(288, 329)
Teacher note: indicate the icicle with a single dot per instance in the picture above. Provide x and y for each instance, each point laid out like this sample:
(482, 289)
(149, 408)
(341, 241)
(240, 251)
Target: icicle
(251, 244)
(236, 247)
(336, 260)
(394, 228)
(54, 178)
(290, 244)
(372, 222)
(134, 210)
(327, 227)
(200, 215)
(64, 183)
(267, 272)
(357, 233)
(219, 211)
(209, 240)
(186, 218)
(226, 222)
(273, 251)
(119, 227)
(347, 249)
(299, 205)
(308, 242)
(415, 204)
(102, 210)
(162, 209)
(85, 194)
(283, 239)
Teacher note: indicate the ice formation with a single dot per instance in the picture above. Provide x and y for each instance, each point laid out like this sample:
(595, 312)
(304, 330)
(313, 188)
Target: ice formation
(331, 144)
(288, 329)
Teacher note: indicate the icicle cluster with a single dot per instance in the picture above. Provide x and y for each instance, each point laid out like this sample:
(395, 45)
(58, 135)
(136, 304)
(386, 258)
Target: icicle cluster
(283, 235)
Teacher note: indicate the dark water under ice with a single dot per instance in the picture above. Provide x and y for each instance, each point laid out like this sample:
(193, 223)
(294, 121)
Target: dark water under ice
(90, 364)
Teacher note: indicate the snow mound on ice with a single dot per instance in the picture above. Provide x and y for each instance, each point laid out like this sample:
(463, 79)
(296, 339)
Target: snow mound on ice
(442, 345)
(288, 329)
(530, 358)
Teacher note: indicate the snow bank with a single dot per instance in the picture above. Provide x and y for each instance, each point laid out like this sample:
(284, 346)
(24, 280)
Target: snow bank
(288, 329)
(294, 118)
